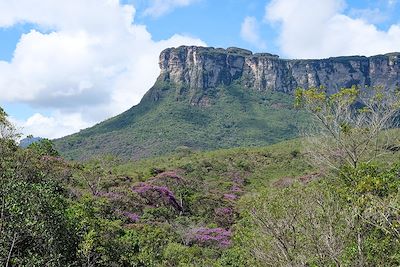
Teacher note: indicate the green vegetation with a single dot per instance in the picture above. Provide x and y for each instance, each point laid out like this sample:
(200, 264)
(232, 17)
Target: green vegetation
(169, 117)
(351, 126)
(349, 220)
(255, 206)
(33, 228)
(177, 210)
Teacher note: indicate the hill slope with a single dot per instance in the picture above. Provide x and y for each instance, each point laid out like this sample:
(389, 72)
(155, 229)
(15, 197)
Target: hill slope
(158, 127)
(208, 98)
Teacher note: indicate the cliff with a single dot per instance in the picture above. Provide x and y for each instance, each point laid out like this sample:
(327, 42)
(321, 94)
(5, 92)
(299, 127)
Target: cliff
(207, 98)
(202, 68)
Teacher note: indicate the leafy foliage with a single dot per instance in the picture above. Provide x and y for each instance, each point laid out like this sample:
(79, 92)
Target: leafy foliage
(260, 206)
(349, 125)
(44, 147)
(350, 220)
(34, 230)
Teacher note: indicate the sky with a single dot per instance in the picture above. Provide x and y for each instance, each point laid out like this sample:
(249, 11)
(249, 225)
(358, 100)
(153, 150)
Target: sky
(66, 65)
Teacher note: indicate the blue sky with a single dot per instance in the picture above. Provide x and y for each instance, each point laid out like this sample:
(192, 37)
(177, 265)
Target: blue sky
(216, 22)
(67, 64)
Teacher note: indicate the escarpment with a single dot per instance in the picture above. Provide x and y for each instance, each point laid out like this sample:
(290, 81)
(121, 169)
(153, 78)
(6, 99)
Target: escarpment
(202, 68)
(209, 98)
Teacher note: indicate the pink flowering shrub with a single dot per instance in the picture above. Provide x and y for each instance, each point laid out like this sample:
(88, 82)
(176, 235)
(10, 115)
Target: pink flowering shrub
(230, 196)
(171, 179)
(236, 188)
(224, 216)
(238, 179)
(133, 217)
(223, 211)
(219, 237)
(154, 194)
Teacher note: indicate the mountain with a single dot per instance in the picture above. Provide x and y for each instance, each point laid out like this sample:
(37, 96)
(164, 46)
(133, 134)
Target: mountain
(202, 68)
(25, 142)
(208, 98)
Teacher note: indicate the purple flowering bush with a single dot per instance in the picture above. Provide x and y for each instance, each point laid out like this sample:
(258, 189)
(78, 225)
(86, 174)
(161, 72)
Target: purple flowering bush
(156, 195)
(133, 217)
(170, 179)
(218, 237)
(224, 217)
(230, 196)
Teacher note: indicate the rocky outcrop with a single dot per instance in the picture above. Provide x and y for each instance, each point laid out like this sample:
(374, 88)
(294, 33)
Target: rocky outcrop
(201, 68)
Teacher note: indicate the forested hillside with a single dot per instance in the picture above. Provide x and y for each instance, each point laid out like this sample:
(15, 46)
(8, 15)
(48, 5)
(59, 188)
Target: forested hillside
(265, 206)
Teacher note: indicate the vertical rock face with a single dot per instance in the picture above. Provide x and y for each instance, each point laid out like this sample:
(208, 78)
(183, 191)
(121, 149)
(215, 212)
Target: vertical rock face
(201, 68)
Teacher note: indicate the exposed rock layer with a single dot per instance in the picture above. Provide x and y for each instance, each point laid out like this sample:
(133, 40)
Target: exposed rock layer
(203, 68)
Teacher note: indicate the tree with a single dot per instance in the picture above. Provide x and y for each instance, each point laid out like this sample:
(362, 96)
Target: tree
(300, 226)
(350, 126)
(7, 129)
(352, 219)
(34, 230)
(98, 173)
(44, 147)
(372, 191)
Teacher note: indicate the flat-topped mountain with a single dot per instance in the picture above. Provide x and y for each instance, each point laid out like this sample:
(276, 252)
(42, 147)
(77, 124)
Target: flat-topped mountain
(204, 68)
(208, 98)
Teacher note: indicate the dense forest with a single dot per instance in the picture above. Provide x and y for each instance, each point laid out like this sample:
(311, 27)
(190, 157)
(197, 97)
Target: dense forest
(330, 198)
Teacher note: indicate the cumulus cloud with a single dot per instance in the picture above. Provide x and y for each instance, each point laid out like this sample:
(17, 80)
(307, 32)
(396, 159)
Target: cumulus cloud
(51, 127)
(250, 32)
(314, 29)
(158, 8)
(87, 58)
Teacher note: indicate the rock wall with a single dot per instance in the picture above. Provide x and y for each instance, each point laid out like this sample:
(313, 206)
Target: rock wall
(201, 68)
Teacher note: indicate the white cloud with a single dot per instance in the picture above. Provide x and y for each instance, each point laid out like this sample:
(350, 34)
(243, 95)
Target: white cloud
(250, 32)
(92, 61)
(158, 8)
(51, 127)
(314, 29)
